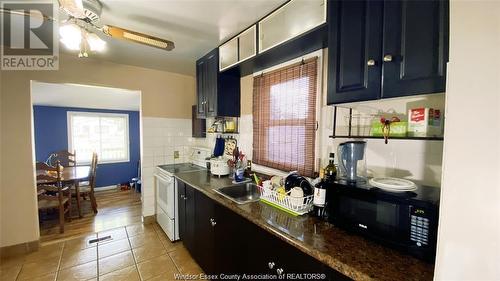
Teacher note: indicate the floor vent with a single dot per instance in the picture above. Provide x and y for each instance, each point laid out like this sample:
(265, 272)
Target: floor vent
(100, 239)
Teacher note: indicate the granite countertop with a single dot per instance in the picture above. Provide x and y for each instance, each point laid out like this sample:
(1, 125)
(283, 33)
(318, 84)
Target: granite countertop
(349, 254)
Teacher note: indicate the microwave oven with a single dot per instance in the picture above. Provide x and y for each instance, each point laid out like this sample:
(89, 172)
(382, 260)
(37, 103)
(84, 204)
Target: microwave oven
(406, 221)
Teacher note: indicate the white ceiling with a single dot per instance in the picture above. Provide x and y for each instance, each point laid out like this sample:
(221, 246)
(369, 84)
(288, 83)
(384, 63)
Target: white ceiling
(84, 96)
(195, 26)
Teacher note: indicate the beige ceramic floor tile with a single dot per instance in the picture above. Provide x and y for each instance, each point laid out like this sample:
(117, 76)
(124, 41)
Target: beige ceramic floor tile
(141, 239)
(116, 234)
(165, 276)
(149, 250)
(169, 245)
(157, 266)
(137, 229)
(113, 248)
(10, 273)
(14, 261)
(43, 266)
(80, 243)
(73, 257)
(128, 273)
(184, 262)
(80, 272)
(115, 262)
(46, 252)
(46, 277)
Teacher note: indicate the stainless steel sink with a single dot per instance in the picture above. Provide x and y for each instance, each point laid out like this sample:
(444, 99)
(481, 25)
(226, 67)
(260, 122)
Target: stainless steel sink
(240, 193)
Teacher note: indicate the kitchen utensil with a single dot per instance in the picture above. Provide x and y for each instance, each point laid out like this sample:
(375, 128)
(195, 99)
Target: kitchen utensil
(267, 184)
(393, 184)
(219, 167)
(294, 179)
(352, 160)
(297, 196)
(276, 181)
(229, 146)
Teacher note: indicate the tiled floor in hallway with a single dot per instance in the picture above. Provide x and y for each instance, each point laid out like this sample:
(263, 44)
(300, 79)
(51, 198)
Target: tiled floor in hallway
(135, 252)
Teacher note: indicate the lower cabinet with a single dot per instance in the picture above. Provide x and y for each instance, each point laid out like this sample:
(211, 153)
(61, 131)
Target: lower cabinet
(221, 241)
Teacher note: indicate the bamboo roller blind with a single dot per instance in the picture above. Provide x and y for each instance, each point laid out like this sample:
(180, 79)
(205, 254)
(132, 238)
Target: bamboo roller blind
(284, 112)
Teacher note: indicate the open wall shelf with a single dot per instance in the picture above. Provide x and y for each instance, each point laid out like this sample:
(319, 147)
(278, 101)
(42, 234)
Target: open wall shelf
(349, 134)
(391, 138)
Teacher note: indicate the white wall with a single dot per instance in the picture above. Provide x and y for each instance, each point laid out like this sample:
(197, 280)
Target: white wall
(469, 231)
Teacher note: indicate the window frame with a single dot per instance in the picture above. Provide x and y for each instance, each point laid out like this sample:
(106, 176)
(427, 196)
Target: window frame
(124, 116)
(320, 103)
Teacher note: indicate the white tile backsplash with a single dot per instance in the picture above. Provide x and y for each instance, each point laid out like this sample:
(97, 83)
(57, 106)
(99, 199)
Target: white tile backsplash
(161, 137)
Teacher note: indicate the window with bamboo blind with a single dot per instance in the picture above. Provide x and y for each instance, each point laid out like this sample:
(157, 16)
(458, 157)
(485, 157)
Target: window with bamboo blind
(284, 112)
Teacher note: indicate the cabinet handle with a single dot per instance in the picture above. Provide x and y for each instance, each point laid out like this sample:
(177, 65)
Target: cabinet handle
(279, 271)
(370, 62)
(185, 198)
(388, 58)
(270, 265)
(213, 222)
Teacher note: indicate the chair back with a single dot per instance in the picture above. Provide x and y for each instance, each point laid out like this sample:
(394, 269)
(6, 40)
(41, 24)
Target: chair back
(49, 179)
(93, 171)
(66, 158)
(47, 174)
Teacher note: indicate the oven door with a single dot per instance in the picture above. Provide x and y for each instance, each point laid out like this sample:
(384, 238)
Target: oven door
(383, 220)
(165, 194)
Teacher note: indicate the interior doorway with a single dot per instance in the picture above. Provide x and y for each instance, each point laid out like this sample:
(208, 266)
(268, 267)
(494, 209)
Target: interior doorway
(83, 119)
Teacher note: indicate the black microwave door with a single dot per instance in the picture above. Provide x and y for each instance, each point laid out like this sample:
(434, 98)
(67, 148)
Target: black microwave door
(374, 217)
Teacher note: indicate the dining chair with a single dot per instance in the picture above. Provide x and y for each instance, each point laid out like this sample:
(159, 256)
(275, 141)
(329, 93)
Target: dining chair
(66, 158)
(51, 193)
(87, 188)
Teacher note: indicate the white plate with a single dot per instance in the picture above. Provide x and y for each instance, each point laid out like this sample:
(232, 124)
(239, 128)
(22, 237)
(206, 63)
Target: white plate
(393, 184)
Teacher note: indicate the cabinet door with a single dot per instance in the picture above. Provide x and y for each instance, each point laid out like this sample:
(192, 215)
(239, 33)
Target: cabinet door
(415, 47)
(181, 187)
(292, 19)
(212, 73)
(247, 44)
(204, 228)
(232, 240)
(200, 88)
(354, 50)
(189, 239)
(228, 54)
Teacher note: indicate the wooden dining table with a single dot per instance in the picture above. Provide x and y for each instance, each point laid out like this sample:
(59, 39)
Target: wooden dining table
(71, 175)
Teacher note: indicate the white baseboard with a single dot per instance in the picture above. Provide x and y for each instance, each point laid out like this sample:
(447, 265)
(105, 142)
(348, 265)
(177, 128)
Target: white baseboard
(103, 188)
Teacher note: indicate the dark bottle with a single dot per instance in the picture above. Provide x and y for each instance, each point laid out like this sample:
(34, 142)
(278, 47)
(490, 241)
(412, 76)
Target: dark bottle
(319, 201)
(331, 170)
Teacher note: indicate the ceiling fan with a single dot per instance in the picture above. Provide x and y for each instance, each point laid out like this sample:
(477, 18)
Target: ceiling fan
(83, 18)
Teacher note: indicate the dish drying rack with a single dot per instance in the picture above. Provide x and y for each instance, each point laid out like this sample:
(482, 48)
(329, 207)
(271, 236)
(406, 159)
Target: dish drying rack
(296, 206)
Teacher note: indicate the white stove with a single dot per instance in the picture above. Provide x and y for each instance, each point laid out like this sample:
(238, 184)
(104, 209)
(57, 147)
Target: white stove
(166, 190)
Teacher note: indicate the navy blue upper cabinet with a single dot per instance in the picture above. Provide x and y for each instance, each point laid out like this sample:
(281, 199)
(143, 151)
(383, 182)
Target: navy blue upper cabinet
(415, 47)
(218, 94)
(383, 49)
(354, 50)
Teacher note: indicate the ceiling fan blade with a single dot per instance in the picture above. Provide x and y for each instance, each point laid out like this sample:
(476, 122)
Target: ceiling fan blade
(25, 14)
(73, 7)
(137, 37)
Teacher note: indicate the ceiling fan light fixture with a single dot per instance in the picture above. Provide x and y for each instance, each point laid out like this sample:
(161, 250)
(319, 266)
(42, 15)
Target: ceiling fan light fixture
(71, 36)
(96, 44)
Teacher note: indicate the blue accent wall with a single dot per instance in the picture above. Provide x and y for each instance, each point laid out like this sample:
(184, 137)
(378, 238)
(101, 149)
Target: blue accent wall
(51, 134)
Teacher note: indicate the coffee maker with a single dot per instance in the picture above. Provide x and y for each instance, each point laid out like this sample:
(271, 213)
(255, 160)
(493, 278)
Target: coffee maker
(352, 161)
